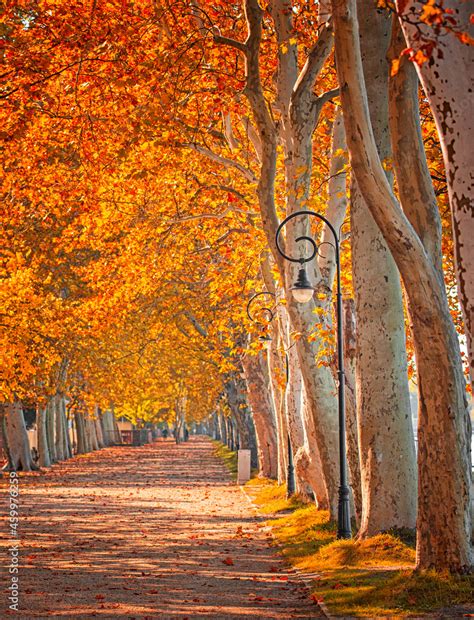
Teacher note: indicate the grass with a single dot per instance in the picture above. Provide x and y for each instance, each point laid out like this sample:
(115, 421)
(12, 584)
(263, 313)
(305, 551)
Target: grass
(270, 497)
(229, 457)
(369, 578)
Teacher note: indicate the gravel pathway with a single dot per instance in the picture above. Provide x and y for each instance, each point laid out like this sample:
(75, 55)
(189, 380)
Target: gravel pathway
(153, 532)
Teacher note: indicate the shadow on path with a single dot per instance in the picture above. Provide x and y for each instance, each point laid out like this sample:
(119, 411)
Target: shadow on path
(158, 531)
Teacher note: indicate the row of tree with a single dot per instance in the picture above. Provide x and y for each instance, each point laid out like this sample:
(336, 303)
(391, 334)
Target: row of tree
(57, 439)
(150, 151)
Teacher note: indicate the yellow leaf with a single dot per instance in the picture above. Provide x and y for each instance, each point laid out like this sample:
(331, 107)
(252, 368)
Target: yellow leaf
(395, 67)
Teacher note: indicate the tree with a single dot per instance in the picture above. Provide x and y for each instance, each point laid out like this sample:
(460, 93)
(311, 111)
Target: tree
(444, 425)
(387, 447)
(440, 42)
(19, 455)
(263, 412)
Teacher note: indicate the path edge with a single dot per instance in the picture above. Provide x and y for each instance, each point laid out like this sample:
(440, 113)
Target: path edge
(300, 575)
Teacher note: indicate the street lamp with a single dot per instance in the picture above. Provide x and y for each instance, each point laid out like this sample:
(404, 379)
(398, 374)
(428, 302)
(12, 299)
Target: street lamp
(302, 292)
(264, 312)
(266, 339)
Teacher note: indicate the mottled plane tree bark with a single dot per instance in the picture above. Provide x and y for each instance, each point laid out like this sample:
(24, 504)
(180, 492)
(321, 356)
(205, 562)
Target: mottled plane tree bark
(444, 528)
(447, 78)
(387, 447)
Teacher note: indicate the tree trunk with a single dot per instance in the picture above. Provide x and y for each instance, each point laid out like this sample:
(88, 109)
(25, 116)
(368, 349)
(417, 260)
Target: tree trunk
(276, 374)
(448, 81)
(82, 447)
(59, 427)
(98, 428)
(305, 472)
(444, 469)
(300, 109)
(116, 431)
(217, 428)
(3, 419)
(230, 433)
(236, 391)
(228, 426)
(352, 434)
(310, 460)
(416, 190)
(109, 432)
(223, 427)
(87, 433)
(415, 186)
(263, 412)
(253, 442)
(92, 434)
(43, 448)
(104, 419)
(321, 405)
(212, 426)
(17, 438)
(69, 452)
(386, 443)
(180, 413)
(50, 427)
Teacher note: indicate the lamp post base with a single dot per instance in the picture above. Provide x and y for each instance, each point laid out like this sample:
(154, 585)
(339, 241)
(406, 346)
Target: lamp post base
(344, 513)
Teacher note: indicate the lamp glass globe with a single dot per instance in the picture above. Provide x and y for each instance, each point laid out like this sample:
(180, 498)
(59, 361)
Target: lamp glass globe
(302, 295)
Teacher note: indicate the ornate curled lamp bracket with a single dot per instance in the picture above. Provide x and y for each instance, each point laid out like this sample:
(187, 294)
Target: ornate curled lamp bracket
(269, 312)
(310, 240)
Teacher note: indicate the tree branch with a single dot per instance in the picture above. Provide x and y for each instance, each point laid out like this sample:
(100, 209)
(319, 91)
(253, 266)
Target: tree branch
(195, 323)
(252, 136)
(230, 138)
(224, 161)
(324, 98)
(313, 65)
(230, 42)
(264, 122)
(253, 89)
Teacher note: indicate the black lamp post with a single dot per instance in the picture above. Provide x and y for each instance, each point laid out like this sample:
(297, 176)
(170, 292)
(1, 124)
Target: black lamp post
(291, 482)
(302, 291)
(231, 435)
(265, 338)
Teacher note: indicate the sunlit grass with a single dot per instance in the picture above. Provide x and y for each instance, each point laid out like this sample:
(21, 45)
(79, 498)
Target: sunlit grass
(270, 497)
(384, 548)
(374, 577)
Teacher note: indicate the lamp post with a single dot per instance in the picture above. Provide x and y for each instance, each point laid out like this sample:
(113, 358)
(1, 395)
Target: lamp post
(291, 482)
(266, 339)
(231, 435)
(302, 291)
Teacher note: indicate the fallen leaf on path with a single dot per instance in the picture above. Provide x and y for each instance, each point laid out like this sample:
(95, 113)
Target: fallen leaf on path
(316, 599)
